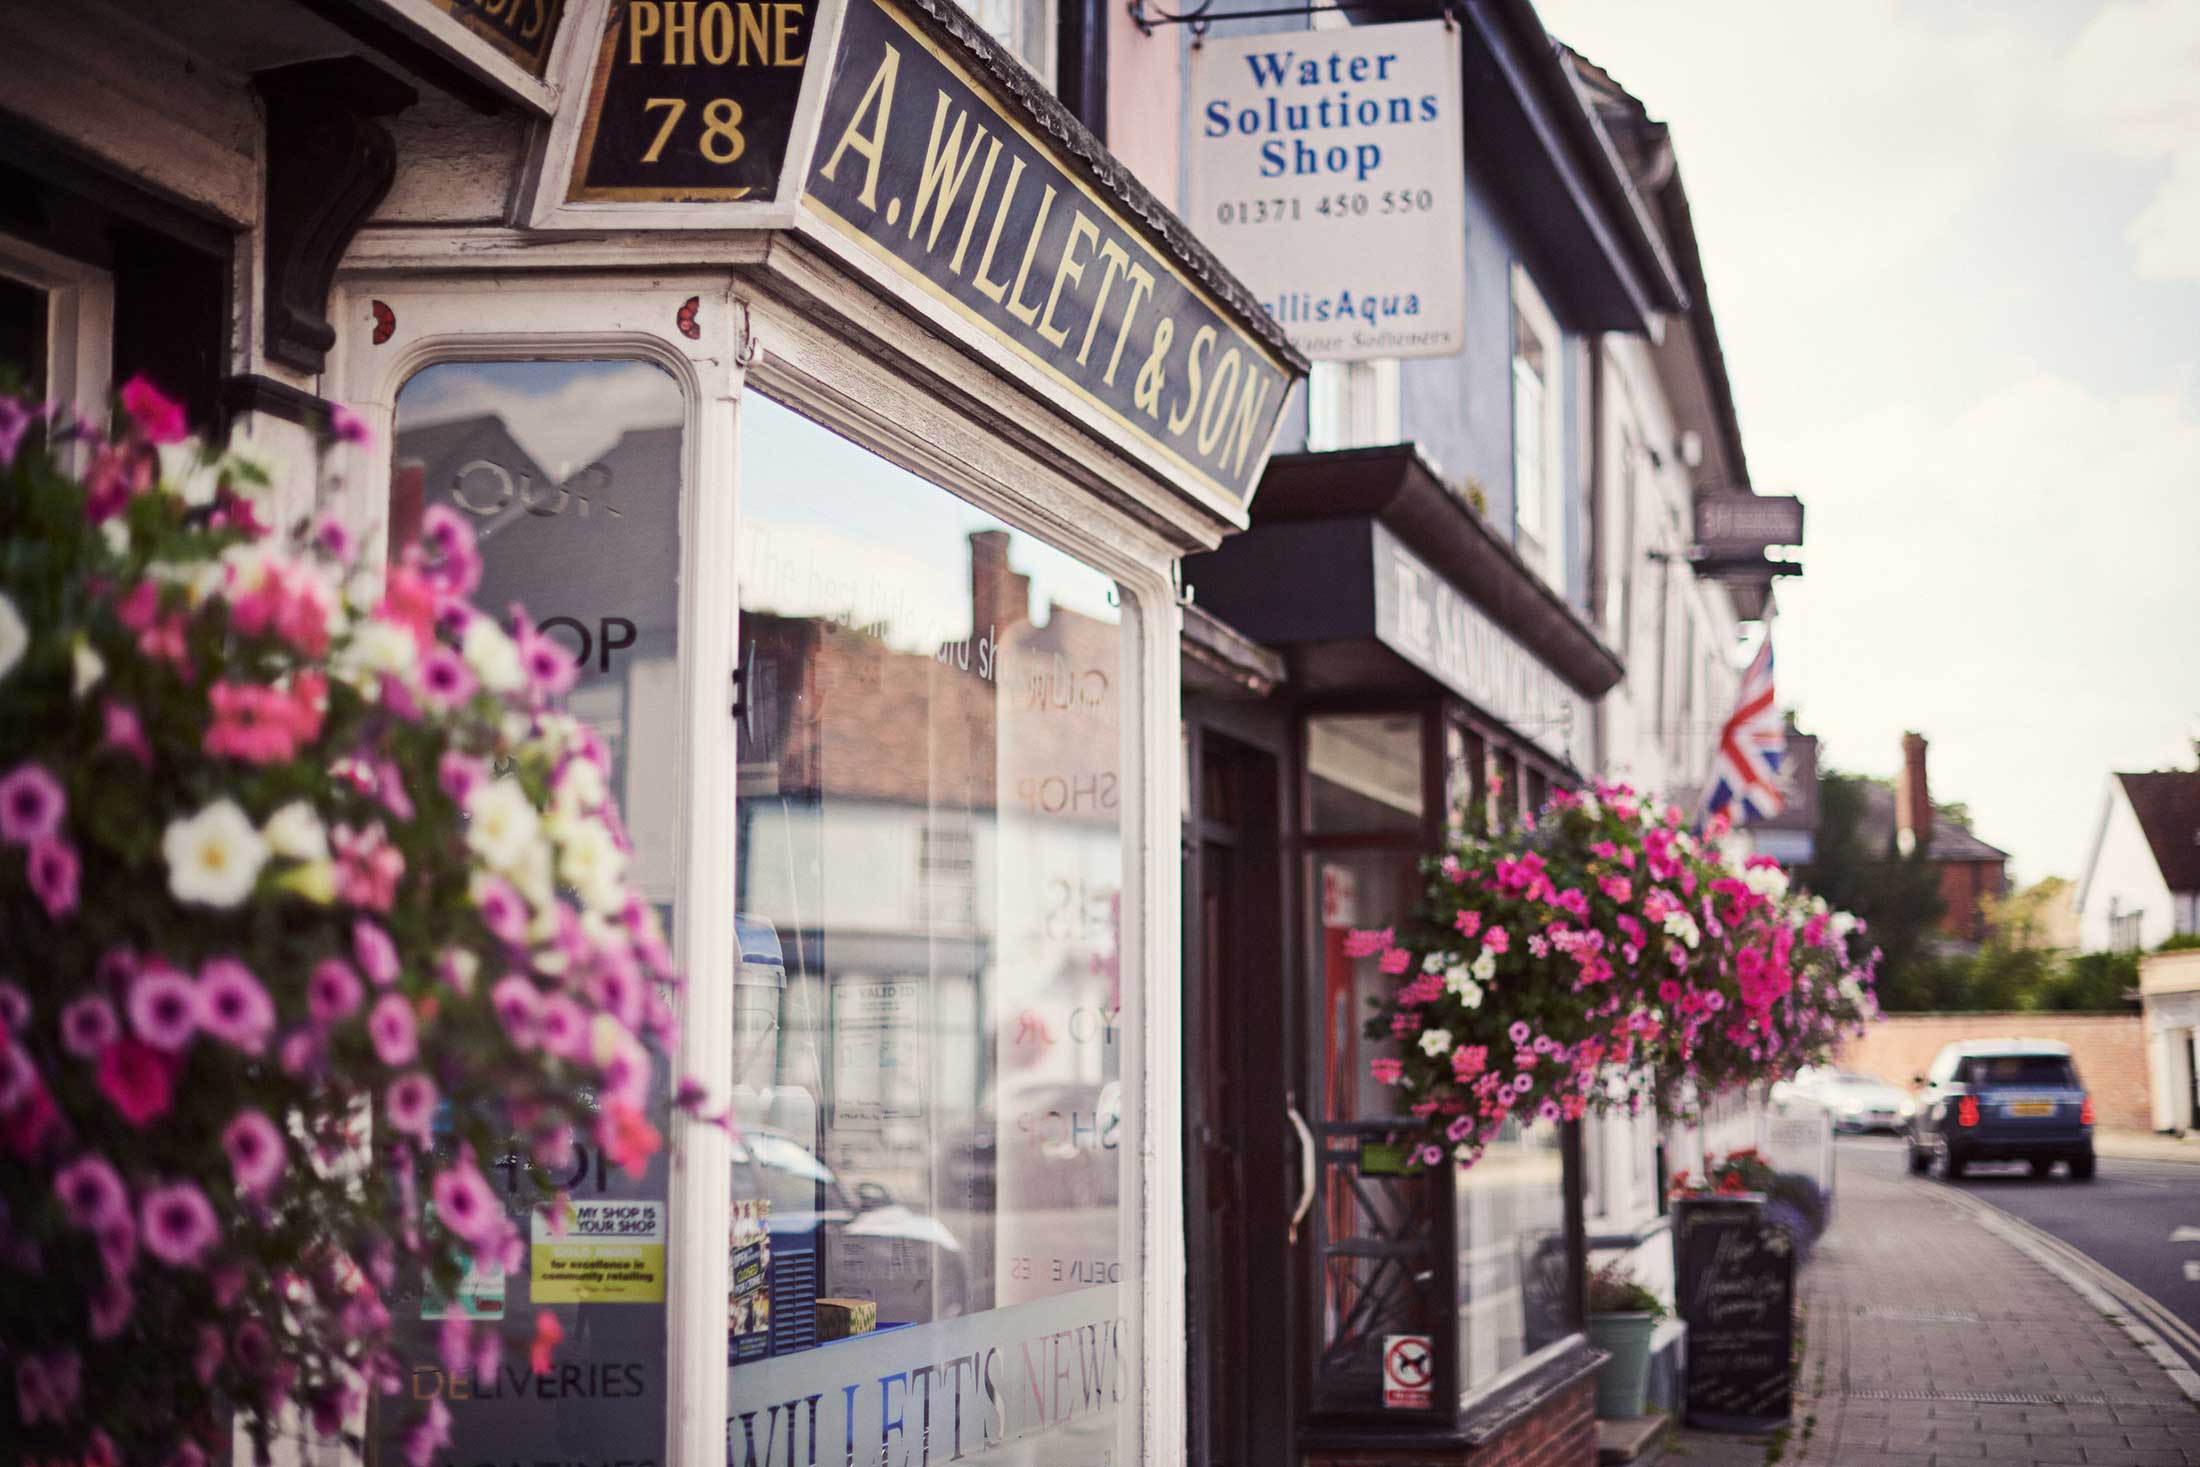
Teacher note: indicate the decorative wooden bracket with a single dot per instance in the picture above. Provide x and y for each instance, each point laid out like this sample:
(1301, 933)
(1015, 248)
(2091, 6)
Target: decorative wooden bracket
(329, 162)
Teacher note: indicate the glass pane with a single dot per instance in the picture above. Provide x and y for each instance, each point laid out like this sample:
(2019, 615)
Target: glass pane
(1513, 1282)
(22, 338)
(927, 1189)
(1364, 773)
(571, 474)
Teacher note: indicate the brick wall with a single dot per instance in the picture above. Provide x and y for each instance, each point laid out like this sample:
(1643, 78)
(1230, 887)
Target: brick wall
(1562, 1432)
(2109, 1049)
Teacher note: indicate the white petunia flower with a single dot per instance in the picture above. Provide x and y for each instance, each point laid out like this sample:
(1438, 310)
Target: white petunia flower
(591, 862)
(580, 787)
(1435, 1041)
(86, 666)
(295, 832)
(1485, 966)
(15, 638)
(1767, 881)
(1843, 924)
(502, 826)
(1468, 992)
(378, 647)
(186, 473)
(492, 655)
(213, 857)
(117, 535)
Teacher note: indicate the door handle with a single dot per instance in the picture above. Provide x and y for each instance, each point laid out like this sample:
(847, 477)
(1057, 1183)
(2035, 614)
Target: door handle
(1308, 1165)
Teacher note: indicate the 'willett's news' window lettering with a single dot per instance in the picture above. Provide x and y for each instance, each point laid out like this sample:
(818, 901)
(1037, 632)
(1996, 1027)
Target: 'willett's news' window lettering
(921, 167)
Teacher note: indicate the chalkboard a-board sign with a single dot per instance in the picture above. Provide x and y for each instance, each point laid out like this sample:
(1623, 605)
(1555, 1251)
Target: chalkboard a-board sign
(1736, 1290)
(691, 100)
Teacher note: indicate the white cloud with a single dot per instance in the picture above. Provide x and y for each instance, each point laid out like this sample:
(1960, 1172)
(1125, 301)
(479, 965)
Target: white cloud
(2131, 85)
(2041, 643)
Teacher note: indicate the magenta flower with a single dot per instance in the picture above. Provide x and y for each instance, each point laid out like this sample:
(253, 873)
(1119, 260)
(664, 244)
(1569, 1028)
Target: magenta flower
(177, 1224)
(138, 1080)
(377, 955)
(333, 991)
(1497, 940)
(465, 1203)
(18, 1077)
(92, 1192)
(549, 666)
(503, 910)
(164, 1007)
(15, 1007)
(346, 426)
(121, 730)
(459, 775)
(411, 1101)
(393, 1030)
(32, 804)
(118, 1243)
(233, 1006)
(159, 417)
(255, 1150)
(1519, 1032)
(111, 1307)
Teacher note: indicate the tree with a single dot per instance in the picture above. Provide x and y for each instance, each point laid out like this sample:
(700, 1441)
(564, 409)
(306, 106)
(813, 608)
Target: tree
(1897, 896)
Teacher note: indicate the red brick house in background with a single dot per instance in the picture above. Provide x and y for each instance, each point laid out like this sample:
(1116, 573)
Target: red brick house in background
(1902, 820)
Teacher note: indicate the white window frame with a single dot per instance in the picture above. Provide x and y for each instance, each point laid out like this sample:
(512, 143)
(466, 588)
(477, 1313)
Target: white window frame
(1539, 511)
(1353, 405)
(80, 323)
(1029, 35)
(781, 348)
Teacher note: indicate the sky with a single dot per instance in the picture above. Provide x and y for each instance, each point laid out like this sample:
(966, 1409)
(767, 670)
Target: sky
(1954, 253)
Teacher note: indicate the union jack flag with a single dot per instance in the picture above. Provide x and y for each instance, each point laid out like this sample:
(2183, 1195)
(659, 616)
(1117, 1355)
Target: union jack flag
(1746, 769)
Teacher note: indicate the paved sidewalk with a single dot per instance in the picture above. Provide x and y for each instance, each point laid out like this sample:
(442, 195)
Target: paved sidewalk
(2147, 1146)
(1929, 1341)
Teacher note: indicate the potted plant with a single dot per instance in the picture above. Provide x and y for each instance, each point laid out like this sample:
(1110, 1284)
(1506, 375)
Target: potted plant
(1623, 1316)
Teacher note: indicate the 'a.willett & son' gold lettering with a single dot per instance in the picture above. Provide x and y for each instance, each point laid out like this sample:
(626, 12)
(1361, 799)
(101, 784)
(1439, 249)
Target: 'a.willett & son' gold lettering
(692, 100)
(923, 168)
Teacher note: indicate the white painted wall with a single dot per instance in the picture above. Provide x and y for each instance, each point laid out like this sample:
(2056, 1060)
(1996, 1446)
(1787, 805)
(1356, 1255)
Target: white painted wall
(2121, 877)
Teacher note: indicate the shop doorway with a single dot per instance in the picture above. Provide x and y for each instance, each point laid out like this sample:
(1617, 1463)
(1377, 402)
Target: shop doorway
(1239, 1142)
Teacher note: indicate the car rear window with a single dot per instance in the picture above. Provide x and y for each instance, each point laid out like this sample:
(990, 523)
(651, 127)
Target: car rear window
(2003, 1070)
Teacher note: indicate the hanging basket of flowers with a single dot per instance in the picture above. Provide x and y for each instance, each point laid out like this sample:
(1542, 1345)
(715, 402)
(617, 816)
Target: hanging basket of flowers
(1601, 955)
(312, 907)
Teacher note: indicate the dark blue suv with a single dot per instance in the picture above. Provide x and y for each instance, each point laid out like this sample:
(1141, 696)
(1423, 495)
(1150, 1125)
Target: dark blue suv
(2002, 1100)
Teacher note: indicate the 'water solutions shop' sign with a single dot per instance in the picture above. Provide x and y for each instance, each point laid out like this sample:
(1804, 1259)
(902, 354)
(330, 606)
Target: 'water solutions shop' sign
(1328, 171)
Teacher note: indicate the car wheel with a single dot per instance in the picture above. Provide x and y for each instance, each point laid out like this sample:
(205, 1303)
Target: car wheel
(1951, 1162)
(2042, 1165)
(1921, 1162)
(2081, 1168)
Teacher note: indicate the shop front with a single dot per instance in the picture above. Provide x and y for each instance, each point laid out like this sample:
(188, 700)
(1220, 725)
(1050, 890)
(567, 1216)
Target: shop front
(1423, 677)
(842, 406)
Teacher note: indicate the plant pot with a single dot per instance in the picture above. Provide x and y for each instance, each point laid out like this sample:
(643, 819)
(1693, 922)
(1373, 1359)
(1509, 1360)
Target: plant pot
(1623, 1385)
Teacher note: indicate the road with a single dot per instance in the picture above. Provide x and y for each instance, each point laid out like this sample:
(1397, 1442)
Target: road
(2127, 1219)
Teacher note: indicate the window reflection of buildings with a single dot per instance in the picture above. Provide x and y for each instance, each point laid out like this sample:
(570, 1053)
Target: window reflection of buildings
(935, 837)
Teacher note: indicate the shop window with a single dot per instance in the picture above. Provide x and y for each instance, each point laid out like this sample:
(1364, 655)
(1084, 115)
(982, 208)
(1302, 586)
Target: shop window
(1364, 773)
(1353, 405)
(570, 473)
(1514, 1278)
(1465, 775)
(56, 326)
(1025, 27)
(928, 1204)
(1538, 413)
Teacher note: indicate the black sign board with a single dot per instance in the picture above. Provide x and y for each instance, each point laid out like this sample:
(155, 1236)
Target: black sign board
(692, 100)
(1737, 1293)
(521, 29)
(924, 170)
(1743, 524)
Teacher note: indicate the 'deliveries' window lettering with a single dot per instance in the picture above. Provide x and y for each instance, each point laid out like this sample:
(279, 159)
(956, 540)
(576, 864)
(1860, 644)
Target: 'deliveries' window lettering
(926, 1250)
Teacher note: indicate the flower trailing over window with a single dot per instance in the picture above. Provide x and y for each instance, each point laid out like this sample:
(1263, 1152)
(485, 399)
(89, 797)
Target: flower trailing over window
(1603, 955)
(313, 908)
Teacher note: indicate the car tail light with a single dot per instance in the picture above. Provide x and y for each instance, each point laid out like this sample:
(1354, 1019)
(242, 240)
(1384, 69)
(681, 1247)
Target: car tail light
(2085, 1111)
(1967, 1111)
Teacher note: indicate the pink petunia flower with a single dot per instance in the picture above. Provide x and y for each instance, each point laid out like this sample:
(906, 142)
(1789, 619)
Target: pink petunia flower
(159, 417)
(234, 1006)
(465, 1204)
(376, 954)
(445, 679)
(88, 1025)
(256, 1155)
(138, 1080)
(411, 1101)
(550, 668)
(92, 1192)
(1497, 940)
(393, 1030)
(32, 804)
(177, 1224)
(346, 426)
(53, 871)
(333, 991)
(112, 1305)
(564, 1028)
(123, 732)
(163, 1007)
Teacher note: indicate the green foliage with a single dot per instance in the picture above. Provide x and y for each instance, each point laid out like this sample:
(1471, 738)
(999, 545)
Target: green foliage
(2178, 942)
(1613, 1289)
(1898, 897)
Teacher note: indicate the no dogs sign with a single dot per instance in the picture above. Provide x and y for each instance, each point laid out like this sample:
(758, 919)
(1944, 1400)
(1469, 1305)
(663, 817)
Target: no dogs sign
(1408, 1366)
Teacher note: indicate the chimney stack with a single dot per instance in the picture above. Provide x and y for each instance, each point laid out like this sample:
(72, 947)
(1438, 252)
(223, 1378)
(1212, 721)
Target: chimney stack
(999, 597)
(1913, 801)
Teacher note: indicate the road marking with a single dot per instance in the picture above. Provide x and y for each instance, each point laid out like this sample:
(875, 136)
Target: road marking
(2192, 1270)
(2186, 1234)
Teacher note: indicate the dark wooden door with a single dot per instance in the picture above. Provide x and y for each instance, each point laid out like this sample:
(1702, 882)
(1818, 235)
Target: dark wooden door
(1238, 1140)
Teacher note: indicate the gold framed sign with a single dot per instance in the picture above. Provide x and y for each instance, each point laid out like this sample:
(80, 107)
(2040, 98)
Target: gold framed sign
(520, 29)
